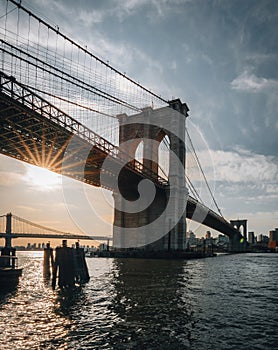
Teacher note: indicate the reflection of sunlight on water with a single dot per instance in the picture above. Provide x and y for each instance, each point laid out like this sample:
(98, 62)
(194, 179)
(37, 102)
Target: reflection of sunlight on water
(29, 311)
(30, 254)
(152, 304)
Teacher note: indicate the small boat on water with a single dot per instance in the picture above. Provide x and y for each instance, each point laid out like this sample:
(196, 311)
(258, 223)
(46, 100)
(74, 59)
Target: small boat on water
(9, 271)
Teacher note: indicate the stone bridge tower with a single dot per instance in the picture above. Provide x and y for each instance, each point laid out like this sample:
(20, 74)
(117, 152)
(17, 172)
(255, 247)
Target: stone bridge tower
(240, 223)
(236, 244)
(158, 222)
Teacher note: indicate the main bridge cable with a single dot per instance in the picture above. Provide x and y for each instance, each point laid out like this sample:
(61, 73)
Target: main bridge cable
(199, 164)
(98, 93)
(51, 230)
(193, 189)
(68, 101)
(19, 5)
(7, 13)
(38, 226)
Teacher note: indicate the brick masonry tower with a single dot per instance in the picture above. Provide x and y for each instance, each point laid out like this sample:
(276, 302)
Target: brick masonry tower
(155, 218)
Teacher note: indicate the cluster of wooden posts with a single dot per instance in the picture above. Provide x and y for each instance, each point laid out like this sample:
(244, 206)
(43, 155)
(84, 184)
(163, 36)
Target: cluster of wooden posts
(68, 266)
(7, 257)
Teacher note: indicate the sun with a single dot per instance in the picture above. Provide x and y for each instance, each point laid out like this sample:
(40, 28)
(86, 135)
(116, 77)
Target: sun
(42, 178)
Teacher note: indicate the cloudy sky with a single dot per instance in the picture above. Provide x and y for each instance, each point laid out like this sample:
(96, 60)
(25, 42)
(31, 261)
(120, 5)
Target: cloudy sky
(218, 56)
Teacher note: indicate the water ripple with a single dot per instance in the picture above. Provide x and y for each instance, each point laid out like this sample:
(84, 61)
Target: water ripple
(224, 303)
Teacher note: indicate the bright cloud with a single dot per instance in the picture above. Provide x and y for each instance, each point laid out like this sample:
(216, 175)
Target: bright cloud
(251, 83)
(238, 166)
(238, 179)
(42, 179)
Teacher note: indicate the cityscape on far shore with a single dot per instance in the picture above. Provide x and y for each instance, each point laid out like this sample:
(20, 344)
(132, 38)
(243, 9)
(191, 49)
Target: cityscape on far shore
(256, 243)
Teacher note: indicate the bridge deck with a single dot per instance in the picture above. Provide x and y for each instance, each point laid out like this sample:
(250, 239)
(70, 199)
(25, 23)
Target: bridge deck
(56, 236)
(36, 132)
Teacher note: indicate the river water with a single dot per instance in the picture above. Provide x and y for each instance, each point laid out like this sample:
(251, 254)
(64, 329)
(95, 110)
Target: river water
(227, 302)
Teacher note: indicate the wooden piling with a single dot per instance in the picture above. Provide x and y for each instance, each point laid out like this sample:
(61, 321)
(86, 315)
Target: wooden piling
(8, 254)
(81, 271)
(70, 266)
(48, 262)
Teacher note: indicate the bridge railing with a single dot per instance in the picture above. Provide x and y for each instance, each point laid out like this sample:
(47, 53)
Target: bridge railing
(25, 96)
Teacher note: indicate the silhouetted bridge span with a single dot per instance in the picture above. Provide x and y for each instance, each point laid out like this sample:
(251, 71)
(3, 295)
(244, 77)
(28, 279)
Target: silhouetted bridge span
(13, 226)
(34, 131)
(57, 236)
(47, 95)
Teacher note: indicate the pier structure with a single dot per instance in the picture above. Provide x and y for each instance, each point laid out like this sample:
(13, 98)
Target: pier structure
(8, 253)
(68, 266)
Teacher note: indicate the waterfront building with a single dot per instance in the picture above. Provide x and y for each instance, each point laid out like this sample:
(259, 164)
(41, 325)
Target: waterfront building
(251, 237)
(191, 238)
(262, 238)
(273, 239)
(103, 247)
(222, 240)
(208, 235)
(273, 235)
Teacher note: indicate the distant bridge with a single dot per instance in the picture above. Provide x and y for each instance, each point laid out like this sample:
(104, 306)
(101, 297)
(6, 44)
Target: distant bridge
(56, 236)
(12, 226)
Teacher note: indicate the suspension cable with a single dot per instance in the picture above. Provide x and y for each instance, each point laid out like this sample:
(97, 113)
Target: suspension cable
(193, 189)
(199, 164)
(77, 82)
(36, 225)
(68, 101)
(190, 184)
(56, 30)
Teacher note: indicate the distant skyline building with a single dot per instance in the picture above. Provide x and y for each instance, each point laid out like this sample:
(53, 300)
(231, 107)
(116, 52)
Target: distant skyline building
(191, 238)
(273, 239)
(273, 235)
(251, 237)
(208, 235)
(262, 238)
(222, 241)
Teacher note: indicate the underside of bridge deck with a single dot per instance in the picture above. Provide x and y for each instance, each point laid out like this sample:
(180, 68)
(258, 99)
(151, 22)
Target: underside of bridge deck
(46, 137)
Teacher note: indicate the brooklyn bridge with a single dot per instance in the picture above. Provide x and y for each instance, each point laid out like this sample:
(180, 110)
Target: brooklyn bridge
(65, 109)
